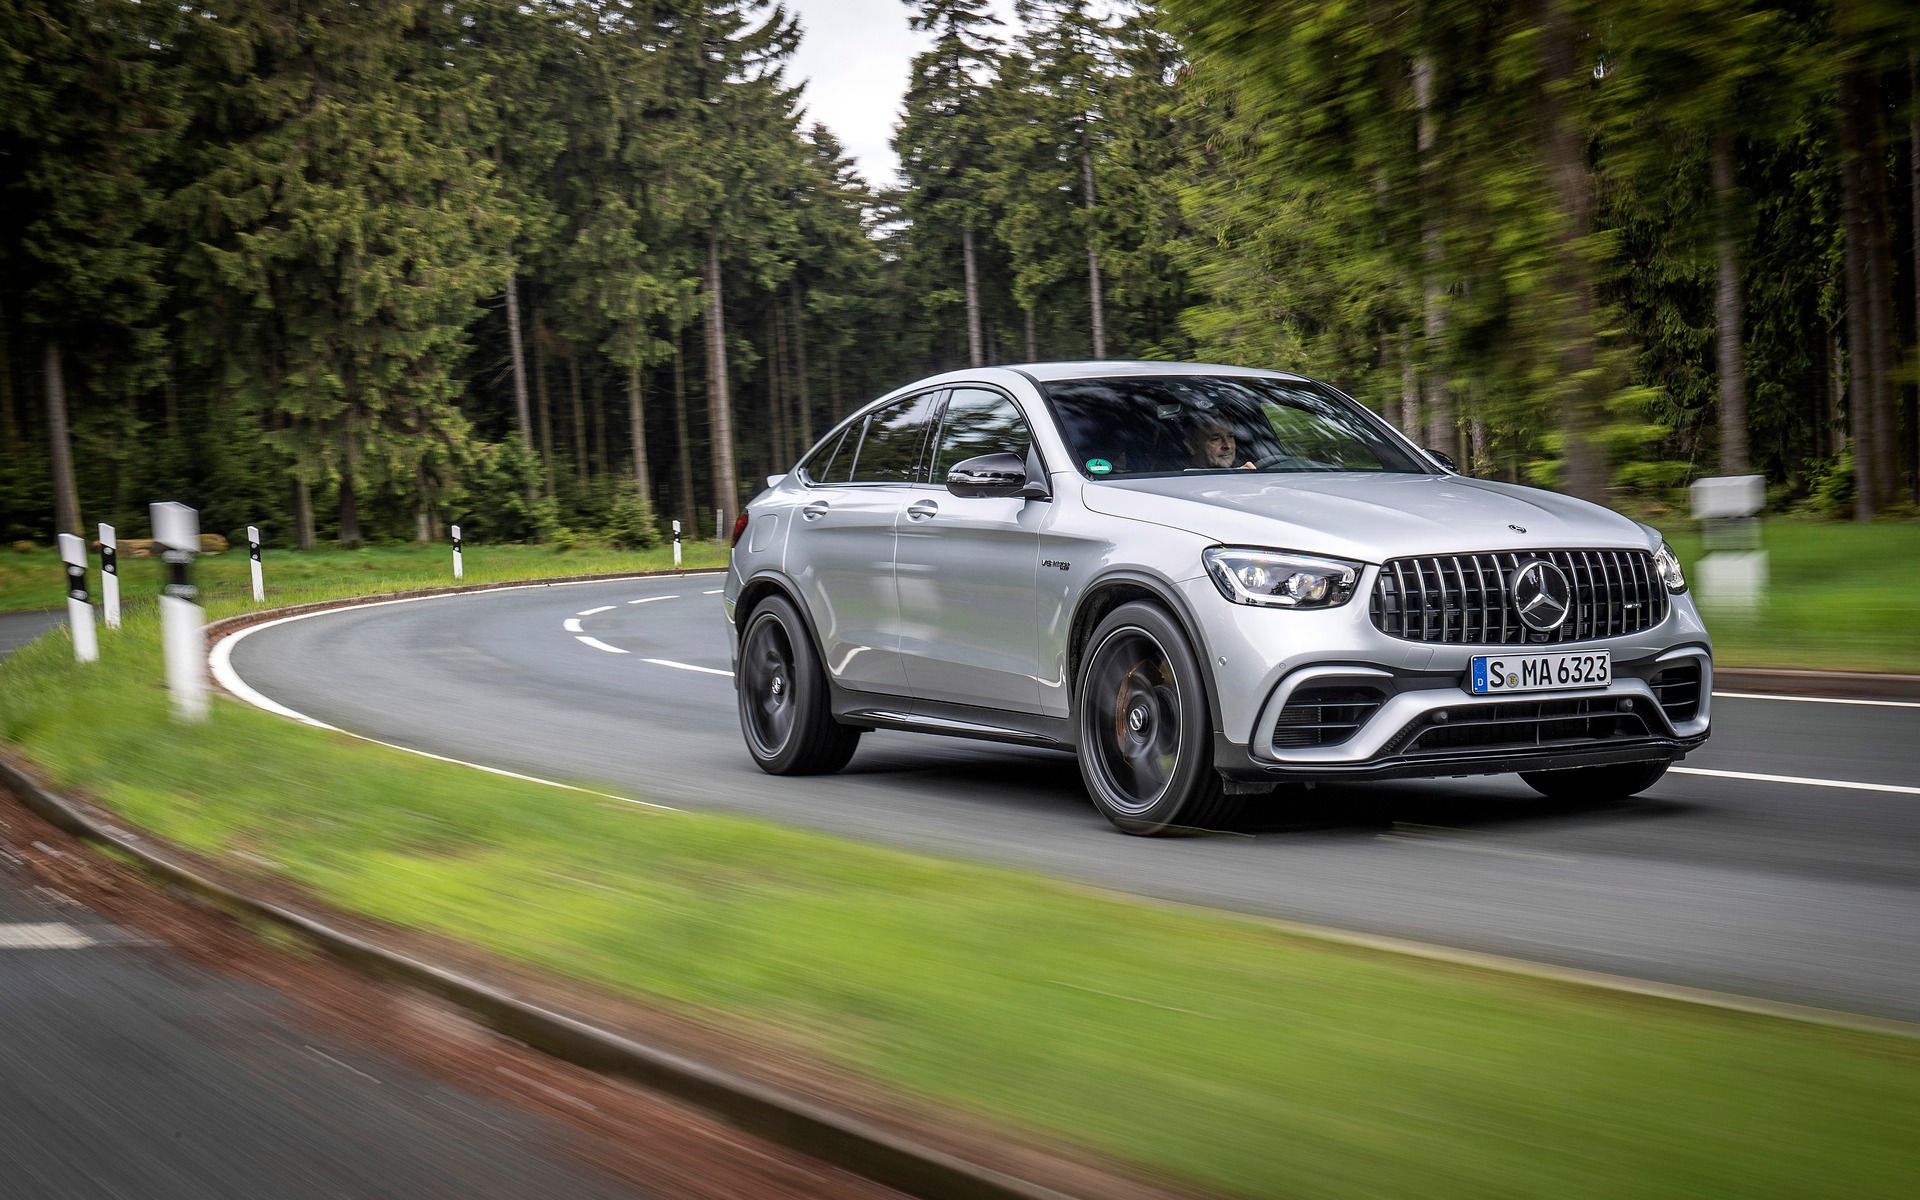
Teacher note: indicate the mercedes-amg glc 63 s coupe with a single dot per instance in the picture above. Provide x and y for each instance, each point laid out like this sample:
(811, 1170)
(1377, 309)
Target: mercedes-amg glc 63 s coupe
(1206, 582)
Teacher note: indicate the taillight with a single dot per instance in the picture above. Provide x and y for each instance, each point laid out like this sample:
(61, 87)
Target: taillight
(739, 527)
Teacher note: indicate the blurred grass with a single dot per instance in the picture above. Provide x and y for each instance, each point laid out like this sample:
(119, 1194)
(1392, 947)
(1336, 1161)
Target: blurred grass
(1213, 1049)
(1842, 596)
(35, 579)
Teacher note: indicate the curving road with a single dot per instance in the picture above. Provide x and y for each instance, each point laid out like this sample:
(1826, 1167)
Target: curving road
(1799, 891)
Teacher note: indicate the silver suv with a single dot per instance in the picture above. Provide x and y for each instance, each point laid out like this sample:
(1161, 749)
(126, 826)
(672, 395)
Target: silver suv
(1207, 581)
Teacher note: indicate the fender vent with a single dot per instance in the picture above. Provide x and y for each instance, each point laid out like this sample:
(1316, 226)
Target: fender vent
(1324, 715)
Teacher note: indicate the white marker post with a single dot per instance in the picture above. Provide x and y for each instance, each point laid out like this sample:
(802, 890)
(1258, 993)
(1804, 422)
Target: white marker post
(456, 552)
(1733, 572)
(253, 561)
(110, 575)
(182, 621)
(719, 531)
(73, 552)
(676, 543)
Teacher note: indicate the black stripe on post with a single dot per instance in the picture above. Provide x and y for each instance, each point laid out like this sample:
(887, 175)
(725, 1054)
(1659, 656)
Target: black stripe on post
(253, 551)
(109, 561)
(76, 583)
(178, 585)
(456, 544)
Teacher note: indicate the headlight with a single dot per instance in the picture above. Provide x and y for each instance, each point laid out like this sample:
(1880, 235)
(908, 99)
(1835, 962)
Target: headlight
(1668, 564)
(1275, 579)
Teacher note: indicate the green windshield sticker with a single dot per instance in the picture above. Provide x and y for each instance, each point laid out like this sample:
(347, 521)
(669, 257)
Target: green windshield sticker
(1099, 466)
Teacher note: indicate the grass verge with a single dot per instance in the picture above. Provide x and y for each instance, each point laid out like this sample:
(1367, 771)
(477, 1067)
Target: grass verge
(1211, 1048)
(35, 579)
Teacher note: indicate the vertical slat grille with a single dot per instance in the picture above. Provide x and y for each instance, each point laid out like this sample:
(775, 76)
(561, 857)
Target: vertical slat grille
(1467, 599)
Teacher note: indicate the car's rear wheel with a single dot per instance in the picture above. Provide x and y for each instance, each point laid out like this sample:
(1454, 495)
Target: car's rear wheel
(1596, 784)
(1145, 733)
(785, 712)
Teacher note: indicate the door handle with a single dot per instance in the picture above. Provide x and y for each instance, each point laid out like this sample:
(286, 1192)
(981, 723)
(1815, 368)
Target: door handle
(920, 510)
(814, 510)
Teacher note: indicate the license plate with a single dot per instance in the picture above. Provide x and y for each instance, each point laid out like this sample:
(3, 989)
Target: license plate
(1500, 674)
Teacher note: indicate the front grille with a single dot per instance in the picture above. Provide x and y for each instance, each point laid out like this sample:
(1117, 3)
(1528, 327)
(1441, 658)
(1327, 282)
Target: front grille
(1324, 715)
(1466, 598)
(1520, 725)
(1678, 688)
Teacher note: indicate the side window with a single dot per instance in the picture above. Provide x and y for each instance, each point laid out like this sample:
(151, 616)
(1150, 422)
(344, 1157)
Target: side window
(893, 450)
(979, 422)
(833, 461)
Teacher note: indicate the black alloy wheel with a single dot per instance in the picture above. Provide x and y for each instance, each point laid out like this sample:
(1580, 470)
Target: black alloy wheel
(1145, 732)
(785, 713)
(1596, 784)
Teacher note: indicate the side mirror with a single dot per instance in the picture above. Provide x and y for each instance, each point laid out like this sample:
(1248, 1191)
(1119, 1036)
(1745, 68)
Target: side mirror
(1445, 460)
(1000, 474)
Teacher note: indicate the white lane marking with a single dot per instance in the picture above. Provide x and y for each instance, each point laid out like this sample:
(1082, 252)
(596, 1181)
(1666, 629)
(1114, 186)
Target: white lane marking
(1848, 784)
(642, 600)
(714, 592)
(1816, 699)
(221, 663)
(589, 612)
(47, 935)
(343, 1066)
(680, 666)
(1412, 839)
(597, 644)
(572, 625)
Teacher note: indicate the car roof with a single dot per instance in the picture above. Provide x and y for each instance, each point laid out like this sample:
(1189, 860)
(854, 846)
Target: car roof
(1047, 372)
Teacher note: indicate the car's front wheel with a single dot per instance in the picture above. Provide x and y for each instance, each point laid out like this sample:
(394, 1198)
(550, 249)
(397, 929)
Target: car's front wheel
(785, 713)
(1145, 733)
(1596, 784)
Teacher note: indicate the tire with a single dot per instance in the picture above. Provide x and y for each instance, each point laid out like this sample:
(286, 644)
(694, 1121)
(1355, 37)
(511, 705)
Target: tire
(781, 688)
(1596, 784)
(1144, 730)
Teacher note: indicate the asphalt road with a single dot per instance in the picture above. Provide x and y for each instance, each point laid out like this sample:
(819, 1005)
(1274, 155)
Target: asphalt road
(1790, 891)
(126, 1070)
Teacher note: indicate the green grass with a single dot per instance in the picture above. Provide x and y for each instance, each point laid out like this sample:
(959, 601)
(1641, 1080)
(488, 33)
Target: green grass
(1209, 1048)
(1842, 596)
(36, 580)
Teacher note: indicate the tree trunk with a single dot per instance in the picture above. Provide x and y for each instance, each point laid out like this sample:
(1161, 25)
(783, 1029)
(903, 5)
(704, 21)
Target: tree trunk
(1033, 353)
(976, 352)
(66, 498)
(1834, 434)
(1581, 391)
(1097, 307)
(1441, 431)
(520, 406)
(1859, 172)
(1727, 312)
(546, 404)
(579, 417)
(637, 420)
(349, 534)
(726, 488)
(302, 514)
(1913, 183)
(9, 417)
(802, 392)
(685, 453)
(780, 435)
(833, 381)
(422, 510)
(1404, 413)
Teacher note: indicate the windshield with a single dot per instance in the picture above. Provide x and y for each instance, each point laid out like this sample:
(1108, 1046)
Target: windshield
(1187, 424)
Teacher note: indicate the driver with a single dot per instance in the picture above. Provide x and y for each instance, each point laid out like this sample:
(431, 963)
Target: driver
(1214, 447)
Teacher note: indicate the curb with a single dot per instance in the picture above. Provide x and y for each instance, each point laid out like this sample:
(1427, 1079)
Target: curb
(828, 1136)
(1869, 685)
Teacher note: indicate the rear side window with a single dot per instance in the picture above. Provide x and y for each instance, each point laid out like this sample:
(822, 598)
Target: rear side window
(893, 449)
(979, 422)
(833, 461)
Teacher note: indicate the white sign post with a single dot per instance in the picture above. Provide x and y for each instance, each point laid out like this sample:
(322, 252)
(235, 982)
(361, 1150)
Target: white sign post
(719, 533)
(182, 621)
(73, 552)
(676, 543)
(1733, 572)
(456, 552)
(253, 562)
(110, 575)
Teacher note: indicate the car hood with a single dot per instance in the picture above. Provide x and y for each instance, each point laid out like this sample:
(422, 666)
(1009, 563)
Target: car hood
(1368, 516)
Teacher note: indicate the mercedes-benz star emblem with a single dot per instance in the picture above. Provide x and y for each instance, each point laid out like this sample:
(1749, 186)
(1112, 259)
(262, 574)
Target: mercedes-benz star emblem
(1543, 596)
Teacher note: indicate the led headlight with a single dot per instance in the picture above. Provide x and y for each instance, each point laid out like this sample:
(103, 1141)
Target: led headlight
(1668, 565)
(1276, 579)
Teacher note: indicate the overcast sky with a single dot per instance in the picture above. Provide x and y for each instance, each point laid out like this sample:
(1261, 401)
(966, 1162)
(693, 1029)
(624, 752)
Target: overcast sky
(853, 55)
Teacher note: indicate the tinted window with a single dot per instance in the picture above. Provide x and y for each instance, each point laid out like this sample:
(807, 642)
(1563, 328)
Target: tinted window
(979, 422)
(833, 461)
(896, 436)
(1173, 424)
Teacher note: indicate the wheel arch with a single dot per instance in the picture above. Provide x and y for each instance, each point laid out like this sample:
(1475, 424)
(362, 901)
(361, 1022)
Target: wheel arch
(1118, 587)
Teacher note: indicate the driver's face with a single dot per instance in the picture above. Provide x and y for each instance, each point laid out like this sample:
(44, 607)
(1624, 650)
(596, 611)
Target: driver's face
(1217, 447)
